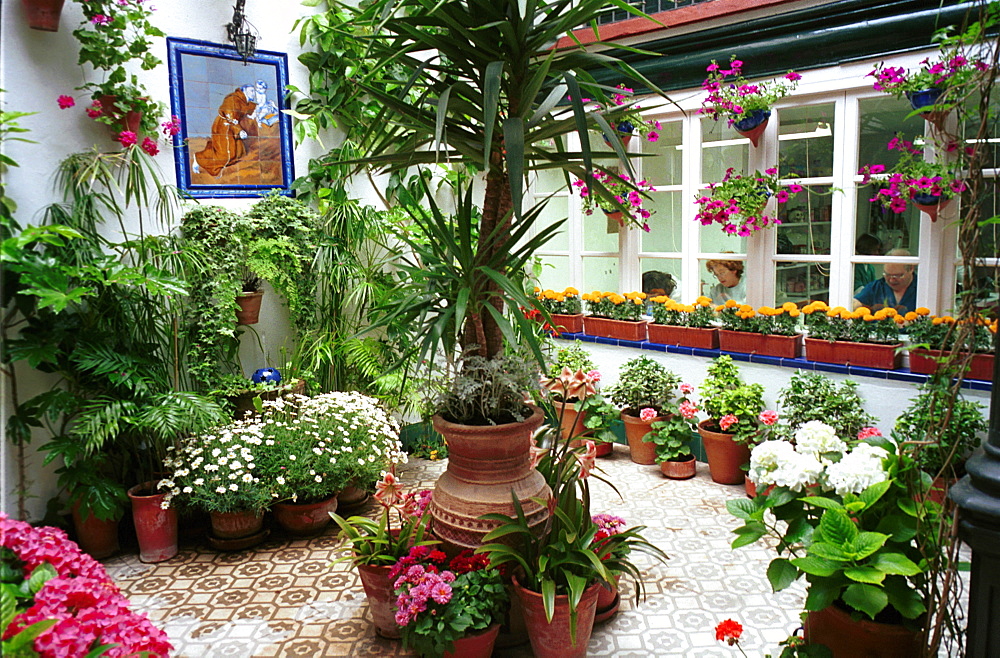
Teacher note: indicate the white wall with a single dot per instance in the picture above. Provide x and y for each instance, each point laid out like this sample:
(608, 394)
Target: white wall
(35, 68)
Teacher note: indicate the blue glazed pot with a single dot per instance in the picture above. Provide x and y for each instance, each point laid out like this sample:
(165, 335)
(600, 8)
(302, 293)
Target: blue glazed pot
(927, 199)
(756, 118)
(625, 127)
(925, 98)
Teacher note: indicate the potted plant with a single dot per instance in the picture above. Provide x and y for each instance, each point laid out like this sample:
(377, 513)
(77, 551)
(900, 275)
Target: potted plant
(928, 185)
(645, 392)
(625, 192)
(97, 499)
(746, 106)
(834, 499)
(739, 203)
(931, 337)
(249, 299)
(733, 409)
(691, 325)
(448, 608)
(43, 14)
(564, 308)
(624, 119)
(766, 330)
(814, 396)
(613, 315)
(859, 337)
(672, 439)
(936, 87)
(375, 546)
(609, 597)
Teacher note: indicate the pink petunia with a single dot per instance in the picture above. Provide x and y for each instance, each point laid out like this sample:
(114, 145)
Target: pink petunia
(65, 102)
(100, 19)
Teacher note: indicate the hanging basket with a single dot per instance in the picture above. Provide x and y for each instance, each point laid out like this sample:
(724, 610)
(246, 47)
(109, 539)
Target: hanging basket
(930, 204)
(752, 127)
(43, 14)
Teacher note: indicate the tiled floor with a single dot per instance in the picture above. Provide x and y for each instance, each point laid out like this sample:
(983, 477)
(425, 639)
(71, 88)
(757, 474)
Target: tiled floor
(282, 598)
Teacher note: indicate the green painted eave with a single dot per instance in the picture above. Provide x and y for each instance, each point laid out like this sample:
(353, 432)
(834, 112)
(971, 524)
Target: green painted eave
(807, 38)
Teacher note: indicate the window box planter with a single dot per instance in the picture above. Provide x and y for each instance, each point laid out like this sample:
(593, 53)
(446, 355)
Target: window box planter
(572, 324)
(666, 334)
(925, 362)
(868, 355)
(788, 347)
(619, 329)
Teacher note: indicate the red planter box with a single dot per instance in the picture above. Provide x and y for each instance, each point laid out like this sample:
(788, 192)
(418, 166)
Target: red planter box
(666, 334)
(620, 329)
(787, 347)
(923, 362)
(572, 324)
(868, 355)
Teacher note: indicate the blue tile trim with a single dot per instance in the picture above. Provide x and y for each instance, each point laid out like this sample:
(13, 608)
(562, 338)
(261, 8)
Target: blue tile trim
(799, 363)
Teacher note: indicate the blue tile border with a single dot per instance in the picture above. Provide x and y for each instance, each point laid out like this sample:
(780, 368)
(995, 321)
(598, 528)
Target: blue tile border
(798, 363)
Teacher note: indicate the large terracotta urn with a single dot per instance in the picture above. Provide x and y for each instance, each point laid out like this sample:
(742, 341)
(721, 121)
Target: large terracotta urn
(485, 464)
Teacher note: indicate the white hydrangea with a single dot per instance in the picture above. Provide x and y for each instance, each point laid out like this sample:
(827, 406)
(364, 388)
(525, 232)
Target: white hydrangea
(858, 470)
(818, 439)
(778, 463)
(767, 457)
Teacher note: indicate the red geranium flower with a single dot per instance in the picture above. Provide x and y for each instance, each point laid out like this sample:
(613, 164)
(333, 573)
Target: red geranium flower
(729, 631)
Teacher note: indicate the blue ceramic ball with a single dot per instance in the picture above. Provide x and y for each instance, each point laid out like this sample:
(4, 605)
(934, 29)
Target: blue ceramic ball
(266, 376)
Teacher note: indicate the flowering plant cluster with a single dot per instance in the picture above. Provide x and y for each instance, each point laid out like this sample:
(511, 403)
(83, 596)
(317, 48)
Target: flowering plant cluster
(615, 306)
(850, 524)
(912, 178)
(377, 542)
(625, 118)
(729, 93)
(953, 70)
(623, 190)
(566, 302)
(731, 405)
(782, 321)
(436, 606)
(738, 202)
(941, 332)
(672, 434)
(858, 326)
(609, 525)
(667, 311)
(60, 602)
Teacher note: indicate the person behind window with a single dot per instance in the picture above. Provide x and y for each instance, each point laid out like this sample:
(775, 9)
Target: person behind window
(731, 284)
(864, 273)
(896, 288)
(656, 283)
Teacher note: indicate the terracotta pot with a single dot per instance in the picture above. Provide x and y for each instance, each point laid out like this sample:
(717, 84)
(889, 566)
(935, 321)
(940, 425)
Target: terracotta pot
(236, 525)
(570, 420)
(725, 456)
(867, 355)
(752, 127)
(665, 334)
(605, 448)
(155, 527)
(572, 324)
(608, 601)
(617, 329)
(640, 451)
(249, 307)
(486, 463)
(95, 537)
(684, 470)
(131, 120)
(847, 638)
(243, 404)
(553, 639)
(352, 497)
(925, 362)
(43, 14)
(788, 347)
(381, 599)
(304, 519)
(930, 204)
(475, 646)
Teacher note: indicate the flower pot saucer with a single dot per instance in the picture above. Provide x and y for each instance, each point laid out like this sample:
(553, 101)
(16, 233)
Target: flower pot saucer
(240, 543)
(604, 614)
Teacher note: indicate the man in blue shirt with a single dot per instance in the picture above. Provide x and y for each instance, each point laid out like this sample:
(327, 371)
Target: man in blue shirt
(897, 288)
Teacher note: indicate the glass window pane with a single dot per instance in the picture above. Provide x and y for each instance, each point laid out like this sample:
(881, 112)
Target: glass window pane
(600, 273)
(712, 239)
(555, 210)
(805, 141)
(986, 284)
(893, 230)
(661, 274)
(881, 118)
(805, 222)
(600, 233)
(665, 223)
(722, 148)
(664, 166)
(801, 283)
(555, 272)
(894, 285)
(722, 279)
(548, 181)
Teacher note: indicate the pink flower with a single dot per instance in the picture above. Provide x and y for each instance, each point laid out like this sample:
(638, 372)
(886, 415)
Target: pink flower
(100, 19)
(150, 147)
(388, 491)
(588, 459)
(127, 138)
(65, 102)
(686, 389)
(869, 432)
(768, 417)
(688, 410)
(728, 421)
(536, 455)
(792, 76)
(647, 414)
(595, 375)
(172, 127)
(95, 110)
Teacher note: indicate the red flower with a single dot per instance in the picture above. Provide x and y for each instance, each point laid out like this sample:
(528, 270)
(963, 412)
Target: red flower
(95, 110)
(768, 417)
(729, 631)
(127, 138)
(65, 102)
(149, 146)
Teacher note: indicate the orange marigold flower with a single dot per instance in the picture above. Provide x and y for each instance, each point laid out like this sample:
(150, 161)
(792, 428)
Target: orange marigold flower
(571, 291)
(923, 310)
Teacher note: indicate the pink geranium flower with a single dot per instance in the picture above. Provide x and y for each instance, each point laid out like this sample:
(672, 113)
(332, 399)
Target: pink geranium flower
(127, 138)
(869, 432)
(768, 417)
(688, 410)
(150, 147)
(100, 19)
(95, 110)
(65, 102)
(728, 421)
(647, 414)
(687, 389)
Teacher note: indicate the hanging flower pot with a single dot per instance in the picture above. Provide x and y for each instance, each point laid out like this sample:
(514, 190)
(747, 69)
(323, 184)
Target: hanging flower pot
(624, 130)
(752, 127)
(926, 98)
(43, 14)
(930, 204)
(249, 307)
(130, 121)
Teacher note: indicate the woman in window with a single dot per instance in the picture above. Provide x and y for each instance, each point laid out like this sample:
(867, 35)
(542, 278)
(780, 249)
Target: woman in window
(730, 285)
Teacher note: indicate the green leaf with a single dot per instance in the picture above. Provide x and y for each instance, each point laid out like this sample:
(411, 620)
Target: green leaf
(837, 527)
(815, 566)
(903, 597)
(820, 501)
(829, 552)
(867, 543)
(899, 527)
(868, 599)
(749, 533)
(40, 575)
(822, 593)
(895, 563)
(741, 508)
(871, 495)
(865, 575)
(781, 574)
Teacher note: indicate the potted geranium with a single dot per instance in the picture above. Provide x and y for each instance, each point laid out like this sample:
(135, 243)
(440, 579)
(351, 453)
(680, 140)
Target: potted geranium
(625, 192)
(691, 325)
(766, 330)
(645, 392)
(448, 608)
(931, 337)
(738, 203)
(927, 185)
(747, 106)
(838, 499)
(564, 308)
(672, 438)
(859, 337)
(614, 315)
